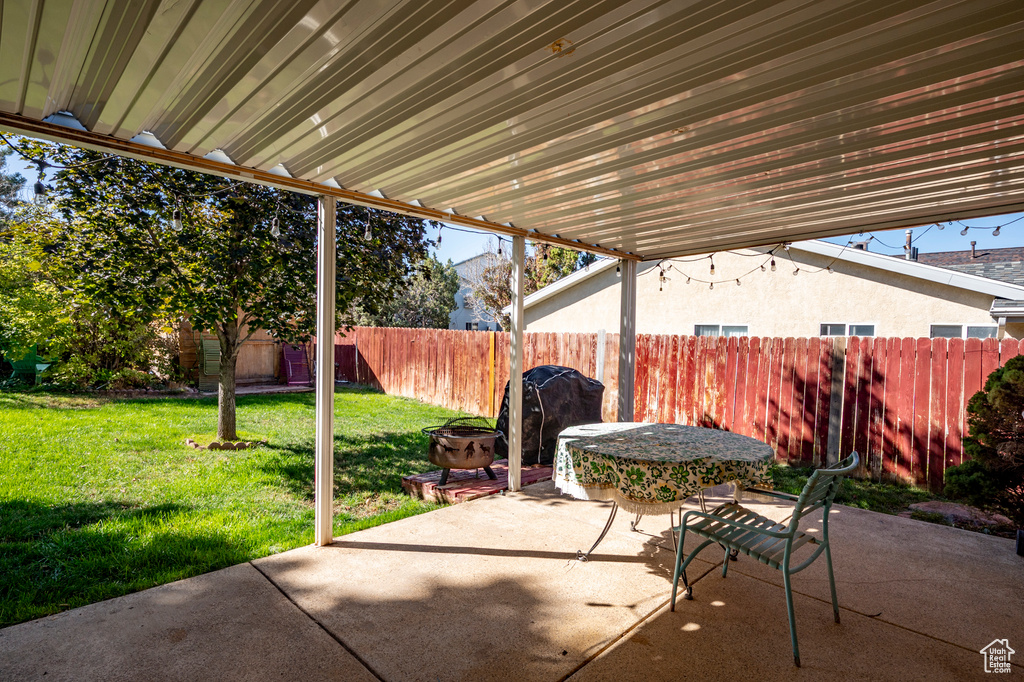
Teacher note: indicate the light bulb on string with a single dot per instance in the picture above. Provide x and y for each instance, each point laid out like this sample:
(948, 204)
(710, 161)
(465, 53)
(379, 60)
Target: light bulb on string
(712, 266)
(618, 271)
(830, 270)
(499, 246)
(39, 189)
(963, 232)
(762, 267)
(712, 285)
(995, 232)
(773, 265)
(940, 226)
(176, 220)
(439, 236)
(796, 272)
(687, 280)
(737, 281)
(275, 228)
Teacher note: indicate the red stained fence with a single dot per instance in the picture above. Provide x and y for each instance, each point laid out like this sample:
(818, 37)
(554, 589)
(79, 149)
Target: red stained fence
(898, 402)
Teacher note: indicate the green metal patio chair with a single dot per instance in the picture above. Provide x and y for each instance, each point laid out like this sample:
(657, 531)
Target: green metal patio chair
(211, 357)
(738, 529)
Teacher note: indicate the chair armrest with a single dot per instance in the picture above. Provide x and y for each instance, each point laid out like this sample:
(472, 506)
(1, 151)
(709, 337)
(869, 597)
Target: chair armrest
(736, 524)
(771, 493)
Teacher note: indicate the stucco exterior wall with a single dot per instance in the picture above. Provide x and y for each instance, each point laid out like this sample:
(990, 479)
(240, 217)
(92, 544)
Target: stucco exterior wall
(768, 303)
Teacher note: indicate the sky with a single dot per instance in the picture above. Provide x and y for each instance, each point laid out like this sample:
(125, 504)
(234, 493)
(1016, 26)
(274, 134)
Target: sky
(458, 244)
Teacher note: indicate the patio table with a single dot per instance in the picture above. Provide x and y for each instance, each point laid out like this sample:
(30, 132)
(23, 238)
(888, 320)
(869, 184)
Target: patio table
(653, 468)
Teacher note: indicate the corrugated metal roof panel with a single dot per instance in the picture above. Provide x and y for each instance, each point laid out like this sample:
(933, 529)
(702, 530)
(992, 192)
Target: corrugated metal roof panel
(660, 128)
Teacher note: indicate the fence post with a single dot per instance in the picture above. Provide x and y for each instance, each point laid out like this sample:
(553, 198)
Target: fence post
(599, 361)
(490, 379)
(835, 412)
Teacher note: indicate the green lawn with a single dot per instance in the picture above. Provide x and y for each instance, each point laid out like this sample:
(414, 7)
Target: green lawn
(99, 498)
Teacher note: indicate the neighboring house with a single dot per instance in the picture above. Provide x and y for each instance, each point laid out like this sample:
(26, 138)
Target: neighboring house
(465, 316)
(866, 294)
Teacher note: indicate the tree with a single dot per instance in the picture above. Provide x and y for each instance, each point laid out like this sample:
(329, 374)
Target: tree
(492, 284)
(10, 187)
(153, 241)
(427, 301)
(994, 476)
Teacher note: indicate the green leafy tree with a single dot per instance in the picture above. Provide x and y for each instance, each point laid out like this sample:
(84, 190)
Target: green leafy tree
(994, 477)
(10, 187)
(155, 242)
(428, 300)
(492, 284)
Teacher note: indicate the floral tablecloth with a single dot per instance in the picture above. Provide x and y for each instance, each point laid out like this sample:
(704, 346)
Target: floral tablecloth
(653, 468)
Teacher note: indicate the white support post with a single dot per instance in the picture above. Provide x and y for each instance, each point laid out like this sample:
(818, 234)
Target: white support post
(323, 481)
(627, 339)
(515, 376)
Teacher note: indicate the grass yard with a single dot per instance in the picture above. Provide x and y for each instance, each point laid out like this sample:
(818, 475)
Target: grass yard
(99, 498)
(888, 498)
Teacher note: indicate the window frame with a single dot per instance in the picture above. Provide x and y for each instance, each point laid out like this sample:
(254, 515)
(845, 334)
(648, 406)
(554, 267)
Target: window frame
(846, 329)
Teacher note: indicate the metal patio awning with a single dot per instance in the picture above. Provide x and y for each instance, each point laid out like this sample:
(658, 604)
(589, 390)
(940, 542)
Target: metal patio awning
(638, 128)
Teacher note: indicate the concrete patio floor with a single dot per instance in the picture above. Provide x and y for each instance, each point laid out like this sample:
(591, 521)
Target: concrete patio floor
(490, 590)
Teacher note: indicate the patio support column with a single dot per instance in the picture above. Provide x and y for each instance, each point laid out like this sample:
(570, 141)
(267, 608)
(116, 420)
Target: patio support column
(627, 339)
(323, 474)
(515, 375)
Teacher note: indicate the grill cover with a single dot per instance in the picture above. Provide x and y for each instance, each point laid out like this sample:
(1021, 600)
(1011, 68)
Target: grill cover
(554, 398)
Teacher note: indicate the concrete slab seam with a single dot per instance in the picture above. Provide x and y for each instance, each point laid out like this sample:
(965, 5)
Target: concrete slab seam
(320, 625)
(631, 628)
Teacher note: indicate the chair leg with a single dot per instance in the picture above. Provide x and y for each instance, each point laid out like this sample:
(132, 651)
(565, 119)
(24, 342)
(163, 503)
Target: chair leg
(831, 582)
(792, 619)
(725, 561)
(680, 570)
(828, 564)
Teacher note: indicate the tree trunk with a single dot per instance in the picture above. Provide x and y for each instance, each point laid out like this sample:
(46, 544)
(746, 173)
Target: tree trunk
(226, 399)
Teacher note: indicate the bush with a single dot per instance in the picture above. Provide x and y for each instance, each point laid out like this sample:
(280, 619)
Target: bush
(994, 477)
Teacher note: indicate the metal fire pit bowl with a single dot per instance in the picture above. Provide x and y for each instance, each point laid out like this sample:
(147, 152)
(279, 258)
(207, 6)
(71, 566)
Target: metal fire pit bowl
(462, 443)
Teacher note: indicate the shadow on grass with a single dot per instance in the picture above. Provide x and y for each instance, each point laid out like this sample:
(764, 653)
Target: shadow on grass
(365, 464)
(55, 557)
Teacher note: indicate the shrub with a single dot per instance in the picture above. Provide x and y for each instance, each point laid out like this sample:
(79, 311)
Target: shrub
(994, 477)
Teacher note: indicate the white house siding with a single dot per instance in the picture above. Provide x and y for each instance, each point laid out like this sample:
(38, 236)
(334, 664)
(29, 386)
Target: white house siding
(768, 303)
(463, 314)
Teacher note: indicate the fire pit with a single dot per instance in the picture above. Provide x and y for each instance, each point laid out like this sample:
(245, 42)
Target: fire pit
(462, 443)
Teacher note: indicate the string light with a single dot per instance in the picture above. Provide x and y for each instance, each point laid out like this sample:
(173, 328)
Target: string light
(176, 220)
(995, 232)
(762, 267)
(712, 285)
(368, 234)
(796, 272)
(737, 281)
(499, 246)
(963, 232)
(712, 265)
(39, 189)
(618, 271)
(773, 264)
(830, 270)
(439, 236)
(275, 228)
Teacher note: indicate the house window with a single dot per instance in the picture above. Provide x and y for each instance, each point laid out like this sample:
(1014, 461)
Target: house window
(947, 331)
(469, 326)
(837, 329)
(982, 332)
(719, 330)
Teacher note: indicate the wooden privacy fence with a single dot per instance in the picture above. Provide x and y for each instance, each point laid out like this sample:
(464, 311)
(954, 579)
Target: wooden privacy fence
(898, 402)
